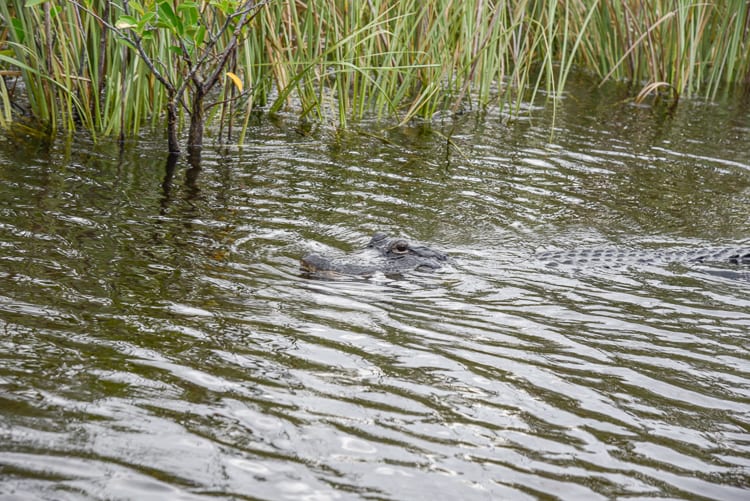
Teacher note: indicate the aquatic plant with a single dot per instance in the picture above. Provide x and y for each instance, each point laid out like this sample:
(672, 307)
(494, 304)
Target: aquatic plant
(690, 48)
(199, 46)
(113, 66)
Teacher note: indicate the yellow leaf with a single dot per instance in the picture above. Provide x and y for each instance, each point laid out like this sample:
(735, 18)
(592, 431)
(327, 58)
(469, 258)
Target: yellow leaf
(236, 80)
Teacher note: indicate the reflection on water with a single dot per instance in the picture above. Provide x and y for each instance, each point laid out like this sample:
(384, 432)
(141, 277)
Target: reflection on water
(159, 341)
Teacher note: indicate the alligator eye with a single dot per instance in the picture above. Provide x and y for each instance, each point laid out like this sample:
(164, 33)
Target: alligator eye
(400, 247)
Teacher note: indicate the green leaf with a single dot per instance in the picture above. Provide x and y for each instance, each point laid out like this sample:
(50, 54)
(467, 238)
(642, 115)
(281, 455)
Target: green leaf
(225, 6)
(200, 35)
(189, 12)
(169, 18)
(137, 6)
(143, 24)
(126, 43)
(34, 3)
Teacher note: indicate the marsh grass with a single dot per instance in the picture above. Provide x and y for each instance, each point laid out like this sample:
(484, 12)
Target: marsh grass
(340, 60)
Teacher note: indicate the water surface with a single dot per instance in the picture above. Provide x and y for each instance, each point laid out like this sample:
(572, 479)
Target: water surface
(158, 341)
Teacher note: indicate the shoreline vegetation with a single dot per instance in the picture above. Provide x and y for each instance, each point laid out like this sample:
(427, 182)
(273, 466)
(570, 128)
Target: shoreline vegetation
(112, 67)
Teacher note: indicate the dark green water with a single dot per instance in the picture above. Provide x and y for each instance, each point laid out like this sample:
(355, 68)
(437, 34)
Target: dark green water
(158, 341)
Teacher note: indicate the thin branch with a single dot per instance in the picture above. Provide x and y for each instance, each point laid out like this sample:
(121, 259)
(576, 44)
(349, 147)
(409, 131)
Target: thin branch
(192, 75)
(228, 100)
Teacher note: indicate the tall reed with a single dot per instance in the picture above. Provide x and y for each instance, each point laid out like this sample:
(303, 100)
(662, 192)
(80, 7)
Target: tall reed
(695, 48)
(342, 60)
(75, 76)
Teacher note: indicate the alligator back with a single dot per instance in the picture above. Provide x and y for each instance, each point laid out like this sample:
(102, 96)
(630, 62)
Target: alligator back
(614, 257)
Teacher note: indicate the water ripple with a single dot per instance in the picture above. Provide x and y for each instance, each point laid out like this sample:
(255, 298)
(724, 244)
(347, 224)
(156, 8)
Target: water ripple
(158, 336)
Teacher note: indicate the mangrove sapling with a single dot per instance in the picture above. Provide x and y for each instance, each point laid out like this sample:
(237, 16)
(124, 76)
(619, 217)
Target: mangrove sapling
(201, 42)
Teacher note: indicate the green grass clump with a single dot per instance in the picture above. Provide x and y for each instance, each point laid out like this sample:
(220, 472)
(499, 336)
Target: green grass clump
(85, 63)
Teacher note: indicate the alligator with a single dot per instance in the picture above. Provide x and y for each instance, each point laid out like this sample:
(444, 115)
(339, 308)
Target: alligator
(394, 256)
(387, 255)
(739, 255)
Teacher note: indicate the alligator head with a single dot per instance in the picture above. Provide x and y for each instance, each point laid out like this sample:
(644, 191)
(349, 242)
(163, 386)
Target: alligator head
(384, 254)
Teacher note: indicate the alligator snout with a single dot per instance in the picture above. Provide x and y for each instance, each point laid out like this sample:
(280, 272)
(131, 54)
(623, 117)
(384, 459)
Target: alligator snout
(392, 256)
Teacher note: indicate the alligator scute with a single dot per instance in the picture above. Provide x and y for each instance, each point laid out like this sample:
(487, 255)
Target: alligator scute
(619, 257)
